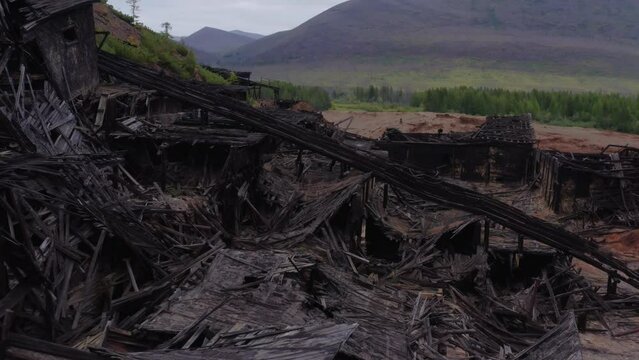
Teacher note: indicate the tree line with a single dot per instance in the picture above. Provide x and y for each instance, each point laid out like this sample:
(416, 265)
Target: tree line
(314, 95)
(602, 110)
(383, 94)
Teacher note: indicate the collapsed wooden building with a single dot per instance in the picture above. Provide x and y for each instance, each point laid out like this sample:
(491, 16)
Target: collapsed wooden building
(147, 217)
(600, 185)
(501, 150)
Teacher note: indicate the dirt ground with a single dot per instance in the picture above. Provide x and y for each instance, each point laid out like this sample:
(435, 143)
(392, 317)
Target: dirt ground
(565, 139)
(373, 124)
(106, 20)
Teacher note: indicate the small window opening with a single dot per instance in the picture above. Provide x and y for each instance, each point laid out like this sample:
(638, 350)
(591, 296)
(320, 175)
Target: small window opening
(70, 34)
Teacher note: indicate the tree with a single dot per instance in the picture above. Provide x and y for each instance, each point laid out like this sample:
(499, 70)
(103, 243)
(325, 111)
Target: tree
(135, 8)
(167, 28)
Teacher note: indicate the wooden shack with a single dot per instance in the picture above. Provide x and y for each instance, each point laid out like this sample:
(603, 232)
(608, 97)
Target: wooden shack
(63, 33)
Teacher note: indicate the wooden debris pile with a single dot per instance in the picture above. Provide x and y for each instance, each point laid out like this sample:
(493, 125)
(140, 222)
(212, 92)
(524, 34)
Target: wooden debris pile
(71, 239)
(154, 218)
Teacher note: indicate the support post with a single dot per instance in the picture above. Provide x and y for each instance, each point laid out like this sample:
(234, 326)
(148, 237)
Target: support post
(165, 160)
(7, 323)
(385, 196)
(204, 117)
(486, 235)
(4, 280)
(300, 164)
(613, 282)
(582, 321)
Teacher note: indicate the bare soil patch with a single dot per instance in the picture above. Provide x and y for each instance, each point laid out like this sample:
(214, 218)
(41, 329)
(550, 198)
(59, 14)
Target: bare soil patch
(565, 139)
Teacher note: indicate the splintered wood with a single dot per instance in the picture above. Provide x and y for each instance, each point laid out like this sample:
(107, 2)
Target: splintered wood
(162, 219)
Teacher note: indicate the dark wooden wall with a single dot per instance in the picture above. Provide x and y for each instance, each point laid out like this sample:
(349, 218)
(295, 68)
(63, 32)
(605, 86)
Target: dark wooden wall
(567, 189)
(475, 162)
(511, 162)
(68, 46)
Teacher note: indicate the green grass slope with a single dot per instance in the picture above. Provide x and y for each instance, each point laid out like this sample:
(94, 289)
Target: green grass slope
(142, 45)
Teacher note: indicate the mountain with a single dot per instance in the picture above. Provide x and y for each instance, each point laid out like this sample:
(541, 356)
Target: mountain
(208, 42)
(253, 36)
(572, 44)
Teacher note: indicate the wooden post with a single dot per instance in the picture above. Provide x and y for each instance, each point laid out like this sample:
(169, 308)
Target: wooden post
(520, 244)
(204, 117)
(476, 237)
(163, 179)
(385, 196)
(535, 159)
(300, 164)
(237, 215)
(486, 235)
(488, 168)
(102, 107)
(452, 160)
(134, 283)
(582, 321)
(613, 281)
(365, 191)
(7, 322)
(4, 280)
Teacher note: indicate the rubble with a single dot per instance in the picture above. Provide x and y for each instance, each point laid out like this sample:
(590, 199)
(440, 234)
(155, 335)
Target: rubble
(147, 217)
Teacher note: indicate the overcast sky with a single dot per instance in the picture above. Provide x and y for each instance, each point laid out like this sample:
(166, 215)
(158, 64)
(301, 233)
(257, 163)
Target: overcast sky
(259, 16)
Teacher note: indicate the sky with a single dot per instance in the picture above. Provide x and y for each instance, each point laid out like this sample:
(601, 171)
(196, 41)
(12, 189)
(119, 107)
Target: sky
(259, 16)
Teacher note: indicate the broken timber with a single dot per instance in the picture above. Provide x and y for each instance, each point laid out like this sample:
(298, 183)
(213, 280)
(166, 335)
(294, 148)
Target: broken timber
(427, 187)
